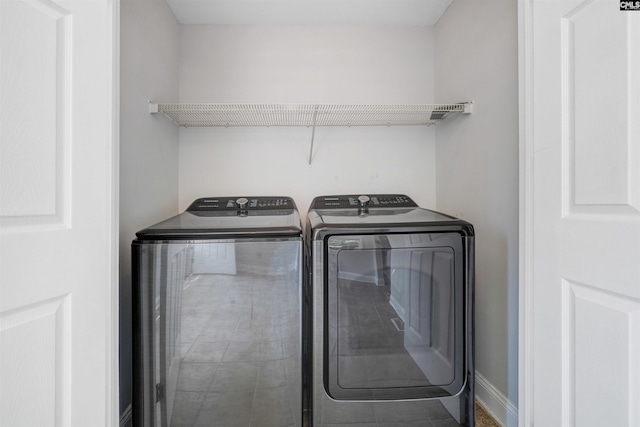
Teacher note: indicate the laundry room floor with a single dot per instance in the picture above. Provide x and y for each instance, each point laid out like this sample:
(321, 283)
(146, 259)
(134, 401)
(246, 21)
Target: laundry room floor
(483, 419)
(237, 352)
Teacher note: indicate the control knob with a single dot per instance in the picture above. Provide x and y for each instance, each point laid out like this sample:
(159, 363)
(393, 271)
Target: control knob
(364, 200)
(242, 202)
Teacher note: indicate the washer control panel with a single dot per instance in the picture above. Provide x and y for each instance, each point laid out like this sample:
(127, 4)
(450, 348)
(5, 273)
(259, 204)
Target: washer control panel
(363, 201)
(209, 204)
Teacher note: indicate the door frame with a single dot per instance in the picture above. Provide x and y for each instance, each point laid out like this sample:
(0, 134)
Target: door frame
(526, 144)
(113, 195)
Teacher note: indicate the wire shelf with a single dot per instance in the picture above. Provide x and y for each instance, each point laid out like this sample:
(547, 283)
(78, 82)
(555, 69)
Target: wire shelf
(194, 115)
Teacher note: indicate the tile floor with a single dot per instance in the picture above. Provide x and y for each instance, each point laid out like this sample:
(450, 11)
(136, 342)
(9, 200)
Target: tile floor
(371, 345)
(372, 352)
(240, 361)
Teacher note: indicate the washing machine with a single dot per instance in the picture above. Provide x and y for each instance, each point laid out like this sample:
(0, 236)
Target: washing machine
(388, 314)
(217, 315)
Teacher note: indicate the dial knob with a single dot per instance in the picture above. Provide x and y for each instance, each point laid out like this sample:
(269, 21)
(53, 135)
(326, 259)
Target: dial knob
(242, 202)
(364, 200)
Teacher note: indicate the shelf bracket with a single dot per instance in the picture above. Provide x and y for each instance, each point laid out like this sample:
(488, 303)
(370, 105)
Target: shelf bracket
(153, 108)
(313, 132)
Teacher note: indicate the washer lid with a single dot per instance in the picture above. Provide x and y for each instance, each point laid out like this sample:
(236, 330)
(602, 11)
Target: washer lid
(230, 217)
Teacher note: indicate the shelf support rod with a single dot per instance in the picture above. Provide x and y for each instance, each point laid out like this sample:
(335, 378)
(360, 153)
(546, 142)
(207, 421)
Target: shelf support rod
(313, 132)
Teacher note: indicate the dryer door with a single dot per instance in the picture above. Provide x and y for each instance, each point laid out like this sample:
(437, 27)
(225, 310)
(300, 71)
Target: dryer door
(395, 316)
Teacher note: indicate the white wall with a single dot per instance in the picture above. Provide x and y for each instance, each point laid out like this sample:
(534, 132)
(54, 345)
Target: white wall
(306, 64)
(148, 144)
(477, 177)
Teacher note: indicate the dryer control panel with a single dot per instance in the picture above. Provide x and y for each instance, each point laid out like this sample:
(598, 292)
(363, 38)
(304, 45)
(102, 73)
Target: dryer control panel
(363, 201)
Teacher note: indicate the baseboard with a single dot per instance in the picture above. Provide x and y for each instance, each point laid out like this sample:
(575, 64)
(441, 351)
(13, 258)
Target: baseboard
(126, 418)
(495, 403)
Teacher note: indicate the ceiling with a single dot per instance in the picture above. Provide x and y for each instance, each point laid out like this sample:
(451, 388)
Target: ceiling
(309, 12)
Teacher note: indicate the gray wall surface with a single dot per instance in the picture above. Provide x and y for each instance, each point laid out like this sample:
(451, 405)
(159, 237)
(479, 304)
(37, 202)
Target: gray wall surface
(148, 144)
(477, 171)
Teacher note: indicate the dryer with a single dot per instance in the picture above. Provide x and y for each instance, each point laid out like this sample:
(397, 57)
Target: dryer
(217, 315)
(388, 313)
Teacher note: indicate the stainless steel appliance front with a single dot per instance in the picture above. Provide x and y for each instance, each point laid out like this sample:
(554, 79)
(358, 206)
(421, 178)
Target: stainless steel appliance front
(389, 309)
(218, 320)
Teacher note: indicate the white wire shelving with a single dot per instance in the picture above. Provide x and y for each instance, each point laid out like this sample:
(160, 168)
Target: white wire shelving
(309, 115)
(227, 115)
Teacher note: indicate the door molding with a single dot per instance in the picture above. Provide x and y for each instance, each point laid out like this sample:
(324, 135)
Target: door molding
(526, 156)
(113, 334)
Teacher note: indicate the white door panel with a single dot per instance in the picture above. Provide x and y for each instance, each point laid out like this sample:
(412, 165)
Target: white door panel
(57, 338)
(600, 357)
(584, 243)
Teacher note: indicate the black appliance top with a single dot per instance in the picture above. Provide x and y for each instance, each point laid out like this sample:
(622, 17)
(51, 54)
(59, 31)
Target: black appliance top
(266, 205)
(363, 201)
(230, 217)
(375, 213)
